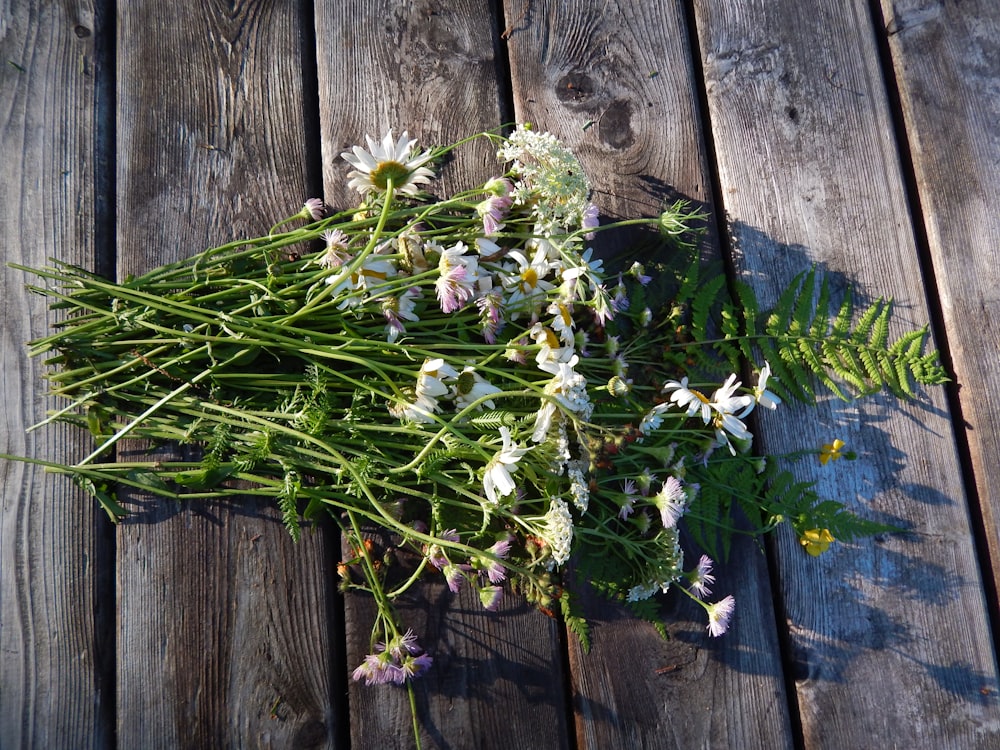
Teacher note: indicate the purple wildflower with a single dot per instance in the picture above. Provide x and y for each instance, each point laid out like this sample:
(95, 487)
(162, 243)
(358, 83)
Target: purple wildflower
(403, 659)
(701, 578)
(454, 574)
(494, 570)
(719, 615)
(314, 209)
(491, 315)
(336, 253)
(435, 555)
(630, 491)
(490, 597)
(415, 666)
(639, 272)
(671, 501)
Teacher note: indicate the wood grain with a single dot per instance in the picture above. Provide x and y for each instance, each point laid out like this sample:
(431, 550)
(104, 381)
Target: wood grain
(809, 175)
(430, 67)
(228, 635)
(616, 83)
(224, 631)
(53, 687)
(947, 64)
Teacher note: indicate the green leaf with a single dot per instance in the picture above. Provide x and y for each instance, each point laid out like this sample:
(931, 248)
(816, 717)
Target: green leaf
(203, 479)
(107, 499)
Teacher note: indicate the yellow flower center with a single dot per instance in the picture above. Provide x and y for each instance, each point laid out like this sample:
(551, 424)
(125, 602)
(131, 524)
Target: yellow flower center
(389, 170)
(550, 338)
(567, 320)
(529, 279)
(466, 382)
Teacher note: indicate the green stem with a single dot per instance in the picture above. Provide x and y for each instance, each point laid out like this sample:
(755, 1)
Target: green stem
(413, 713)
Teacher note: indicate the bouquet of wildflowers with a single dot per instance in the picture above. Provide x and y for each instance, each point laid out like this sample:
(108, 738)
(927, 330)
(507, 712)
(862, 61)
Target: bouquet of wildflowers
(465, 374)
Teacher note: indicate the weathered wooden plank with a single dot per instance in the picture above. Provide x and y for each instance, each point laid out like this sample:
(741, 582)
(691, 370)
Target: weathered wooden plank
(947, 62)
(430, 67)
(53, 690)
(224, 637)
(889, 636)
(616, 84)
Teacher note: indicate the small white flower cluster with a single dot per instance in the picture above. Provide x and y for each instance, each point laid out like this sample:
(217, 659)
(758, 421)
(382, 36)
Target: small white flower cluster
(558, 530)
(579, 489)
(665, 569)
(548, 170)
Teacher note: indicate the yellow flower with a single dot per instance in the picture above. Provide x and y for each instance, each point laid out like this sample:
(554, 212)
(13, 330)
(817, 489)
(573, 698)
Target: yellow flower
(831, 451)
(816, 541)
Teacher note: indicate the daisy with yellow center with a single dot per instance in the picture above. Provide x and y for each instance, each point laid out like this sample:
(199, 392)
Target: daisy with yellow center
(390, 162)
(688, 398)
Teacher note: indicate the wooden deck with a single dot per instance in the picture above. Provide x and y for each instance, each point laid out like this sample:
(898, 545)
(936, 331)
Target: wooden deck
(860, 137)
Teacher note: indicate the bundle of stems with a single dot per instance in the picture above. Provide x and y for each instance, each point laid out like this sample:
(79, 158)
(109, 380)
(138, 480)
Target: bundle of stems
(461, 372)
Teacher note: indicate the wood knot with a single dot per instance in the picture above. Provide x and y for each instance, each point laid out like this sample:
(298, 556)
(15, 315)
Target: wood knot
(616, 125)
(574, 88)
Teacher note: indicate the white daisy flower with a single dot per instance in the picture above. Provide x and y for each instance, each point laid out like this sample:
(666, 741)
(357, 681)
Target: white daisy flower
(471, 387)
(562, 323)
(694, 401)
(763, 396)
(421, 410)
(430, 381)
(389, 161)
(724, 400)
(526, 281)
(374, 270)
(497, 481)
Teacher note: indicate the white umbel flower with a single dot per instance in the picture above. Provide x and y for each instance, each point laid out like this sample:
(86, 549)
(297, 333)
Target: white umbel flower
(559, 530)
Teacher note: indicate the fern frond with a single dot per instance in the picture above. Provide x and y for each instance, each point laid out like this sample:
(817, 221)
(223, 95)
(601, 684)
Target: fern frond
(846, 365)
(820, 323)
(780, 317)
(785, 385)
(803, 339)
(798, 502)
(863, 329)
(433, 463)
(701, 307)
(727, 345)
(287, 499)
(842, 322)
(802, 313)
(494, 420)
(880, 331)
(574, 622)
(751, 311)
(689, 282)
